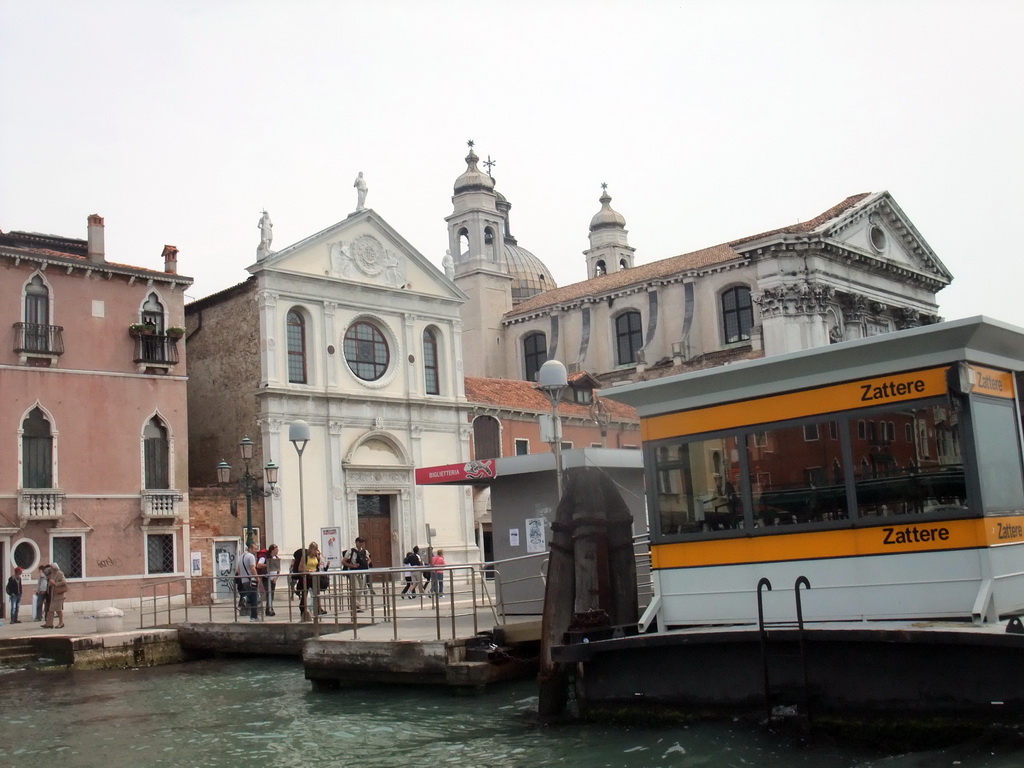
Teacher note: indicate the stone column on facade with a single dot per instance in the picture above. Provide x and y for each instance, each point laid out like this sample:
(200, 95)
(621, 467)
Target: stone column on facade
(794, 316)
(455, 359)
(336, 515)
(415, 347)
(331, 339)
(273, 507)
(267, 303)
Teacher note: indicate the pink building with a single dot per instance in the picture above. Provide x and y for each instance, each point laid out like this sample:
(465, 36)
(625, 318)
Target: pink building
(93, 419)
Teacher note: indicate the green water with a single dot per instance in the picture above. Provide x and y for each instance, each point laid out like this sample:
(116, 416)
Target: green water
(243, 714)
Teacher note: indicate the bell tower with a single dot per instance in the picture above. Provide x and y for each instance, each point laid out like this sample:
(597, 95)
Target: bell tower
(609, 245)
(476, 239)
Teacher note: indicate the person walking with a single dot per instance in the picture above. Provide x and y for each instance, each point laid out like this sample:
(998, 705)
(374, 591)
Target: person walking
(13, 591)
(412, 578)
(42, 595)
(250, 584)
(58, 588)
(268, 566)
(437, 584)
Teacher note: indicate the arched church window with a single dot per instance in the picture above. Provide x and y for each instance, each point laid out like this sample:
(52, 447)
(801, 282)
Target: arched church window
(296, 347)
(629, 337)
(600, 269)
(535, 354)
(431, 373)
(737, 314)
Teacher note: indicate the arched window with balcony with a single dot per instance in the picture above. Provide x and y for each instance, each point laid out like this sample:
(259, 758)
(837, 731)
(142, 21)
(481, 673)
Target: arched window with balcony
(36, 451)
(156, 455)
(629, 337)
(37, 315)
(535, 354)
(737, 314)
(431, 370)
(296, 347)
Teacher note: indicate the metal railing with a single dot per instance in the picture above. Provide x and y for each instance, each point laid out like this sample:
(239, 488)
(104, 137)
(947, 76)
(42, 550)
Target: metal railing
(475, 595)
(38, 338)
(156, 349)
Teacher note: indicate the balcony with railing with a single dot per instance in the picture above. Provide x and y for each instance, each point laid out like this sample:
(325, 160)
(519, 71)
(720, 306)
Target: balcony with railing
(40, 504)
(156, 350)
(36, 340)
(160, 504)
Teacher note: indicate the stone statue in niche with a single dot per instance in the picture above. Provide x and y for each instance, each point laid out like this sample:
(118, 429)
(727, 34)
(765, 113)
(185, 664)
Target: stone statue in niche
(360, 185)
(266, 228)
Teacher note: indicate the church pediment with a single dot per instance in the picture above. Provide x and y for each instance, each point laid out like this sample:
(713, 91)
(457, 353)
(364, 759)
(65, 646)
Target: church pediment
(877, 229)
(363, 249)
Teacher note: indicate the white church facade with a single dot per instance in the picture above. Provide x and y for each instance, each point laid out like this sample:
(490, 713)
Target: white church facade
(356, 332)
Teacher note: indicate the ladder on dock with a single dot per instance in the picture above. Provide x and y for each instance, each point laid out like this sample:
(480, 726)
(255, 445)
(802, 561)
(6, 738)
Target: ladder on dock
(767, 653)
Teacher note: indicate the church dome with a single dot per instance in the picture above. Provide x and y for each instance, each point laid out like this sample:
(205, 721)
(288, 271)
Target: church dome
(529, 275)
(473, 179)
(607, 218)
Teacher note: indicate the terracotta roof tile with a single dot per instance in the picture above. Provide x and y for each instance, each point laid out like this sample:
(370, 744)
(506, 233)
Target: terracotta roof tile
(31, 244)
(520, 395)
(674, 265)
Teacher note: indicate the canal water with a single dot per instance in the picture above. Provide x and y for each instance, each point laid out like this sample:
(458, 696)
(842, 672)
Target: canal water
(263, 713)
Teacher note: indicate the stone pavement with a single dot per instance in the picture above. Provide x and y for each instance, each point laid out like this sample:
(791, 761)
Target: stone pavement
(418, 619)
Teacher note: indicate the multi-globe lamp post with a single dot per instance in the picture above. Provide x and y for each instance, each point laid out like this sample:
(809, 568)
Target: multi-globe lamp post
(248, 485)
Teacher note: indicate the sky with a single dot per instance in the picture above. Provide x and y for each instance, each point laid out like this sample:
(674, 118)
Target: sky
(179, 122)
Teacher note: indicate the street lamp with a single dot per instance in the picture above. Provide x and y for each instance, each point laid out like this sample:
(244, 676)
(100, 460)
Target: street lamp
(298, 435)
(552, 380)
(247, 483)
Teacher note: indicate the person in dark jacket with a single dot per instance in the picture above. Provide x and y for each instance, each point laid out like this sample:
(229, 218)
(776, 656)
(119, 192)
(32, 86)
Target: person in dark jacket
(14, 594)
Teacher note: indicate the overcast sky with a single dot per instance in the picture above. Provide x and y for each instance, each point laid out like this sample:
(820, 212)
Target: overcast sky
(179, 121)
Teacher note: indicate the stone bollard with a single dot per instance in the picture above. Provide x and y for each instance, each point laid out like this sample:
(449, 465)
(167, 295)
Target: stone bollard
(110, 620)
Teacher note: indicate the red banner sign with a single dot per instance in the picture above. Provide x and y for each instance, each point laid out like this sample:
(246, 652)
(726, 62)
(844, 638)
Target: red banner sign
(472, 471)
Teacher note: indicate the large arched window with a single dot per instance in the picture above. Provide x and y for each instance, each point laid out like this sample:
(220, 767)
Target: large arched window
(431, 373)
(629, 337)
(296, 347)
(486, 438)
(36, 451)
(535, 354)
(156, 455)
(366, 351)
(737, 314)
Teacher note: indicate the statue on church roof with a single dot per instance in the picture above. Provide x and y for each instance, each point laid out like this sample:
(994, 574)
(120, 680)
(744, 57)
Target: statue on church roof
(360, 185)
(266, 236)
(449, 264)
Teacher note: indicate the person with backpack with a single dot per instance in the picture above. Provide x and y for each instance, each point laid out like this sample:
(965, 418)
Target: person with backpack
(413, 560)
(357, 559)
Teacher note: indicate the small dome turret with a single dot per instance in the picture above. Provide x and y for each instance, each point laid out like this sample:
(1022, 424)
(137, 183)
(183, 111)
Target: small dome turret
(606, 217)
(473, 179)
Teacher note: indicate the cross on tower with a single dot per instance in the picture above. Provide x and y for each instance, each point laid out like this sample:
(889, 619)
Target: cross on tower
(489, 164)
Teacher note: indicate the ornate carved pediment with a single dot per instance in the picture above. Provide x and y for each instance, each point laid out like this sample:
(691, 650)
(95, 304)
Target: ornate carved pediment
(367, 256)
(799, 298)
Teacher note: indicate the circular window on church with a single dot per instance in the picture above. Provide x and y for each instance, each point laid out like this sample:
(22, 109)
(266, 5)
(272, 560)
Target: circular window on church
(878, 239)
(26, 554)
(366, 351)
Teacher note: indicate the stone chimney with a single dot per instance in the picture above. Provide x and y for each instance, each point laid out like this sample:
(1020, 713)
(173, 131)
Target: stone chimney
(170, 255)
(96, 247)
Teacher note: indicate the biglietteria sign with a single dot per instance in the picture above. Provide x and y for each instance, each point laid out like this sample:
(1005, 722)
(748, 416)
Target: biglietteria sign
(472, 471)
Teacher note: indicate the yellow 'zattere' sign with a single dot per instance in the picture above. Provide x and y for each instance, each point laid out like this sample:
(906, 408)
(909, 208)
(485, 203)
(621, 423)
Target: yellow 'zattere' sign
(895, 388)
